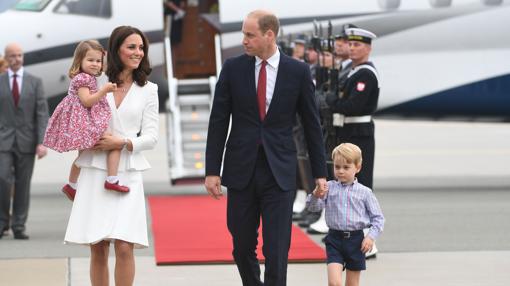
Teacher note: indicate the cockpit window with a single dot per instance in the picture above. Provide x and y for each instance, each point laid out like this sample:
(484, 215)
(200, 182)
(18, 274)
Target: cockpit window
(97, 8)
(31, 5)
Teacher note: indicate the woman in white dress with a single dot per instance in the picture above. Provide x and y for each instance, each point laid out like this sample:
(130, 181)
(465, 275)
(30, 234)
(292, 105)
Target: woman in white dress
(101, 216)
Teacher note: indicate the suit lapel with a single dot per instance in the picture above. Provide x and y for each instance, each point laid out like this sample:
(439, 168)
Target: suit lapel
(7, 88)
(252, 86)
(22, 87)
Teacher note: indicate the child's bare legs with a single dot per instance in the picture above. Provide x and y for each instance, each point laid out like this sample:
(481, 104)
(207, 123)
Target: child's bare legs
(112, 162)
(352, 278)
(75, 172)
(70, 188)
(335, 274)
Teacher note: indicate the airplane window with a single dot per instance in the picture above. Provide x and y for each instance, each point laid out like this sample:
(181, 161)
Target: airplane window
(31, 5)
(97, 8)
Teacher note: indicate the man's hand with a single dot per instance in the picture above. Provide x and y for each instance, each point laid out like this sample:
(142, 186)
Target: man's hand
(41, 151)
(319, 193)
(213, 186)
(321, 184)
(367, 244)
(321, 188)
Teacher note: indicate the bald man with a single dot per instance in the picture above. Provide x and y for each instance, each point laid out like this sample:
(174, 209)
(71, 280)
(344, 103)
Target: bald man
(23, 119)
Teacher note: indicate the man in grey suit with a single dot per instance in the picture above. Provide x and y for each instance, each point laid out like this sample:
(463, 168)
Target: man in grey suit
(23, 119)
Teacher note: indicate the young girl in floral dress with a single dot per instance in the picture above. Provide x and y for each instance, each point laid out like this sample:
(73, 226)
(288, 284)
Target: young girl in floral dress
(82, 117)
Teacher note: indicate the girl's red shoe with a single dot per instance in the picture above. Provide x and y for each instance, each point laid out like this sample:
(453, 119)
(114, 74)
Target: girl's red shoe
(115, 187)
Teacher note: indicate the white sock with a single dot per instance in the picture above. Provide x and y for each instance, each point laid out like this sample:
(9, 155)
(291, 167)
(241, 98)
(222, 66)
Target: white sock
(73, 185)
(112, 179)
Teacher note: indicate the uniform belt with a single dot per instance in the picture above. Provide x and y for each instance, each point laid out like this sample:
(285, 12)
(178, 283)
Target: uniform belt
(358, 119)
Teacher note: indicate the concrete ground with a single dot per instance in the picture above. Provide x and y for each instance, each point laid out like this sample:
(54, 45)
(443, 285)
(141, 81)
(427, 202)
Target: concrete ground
(444, 188)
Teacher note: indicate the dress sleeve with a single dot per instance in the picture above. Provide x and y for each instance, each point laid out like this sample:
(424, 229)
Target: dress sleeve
(150, 122)
(84, 80)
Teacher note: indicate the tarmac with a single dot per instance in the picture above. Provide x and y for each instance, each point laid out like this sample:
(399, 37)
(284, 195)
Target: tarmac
(444, 188)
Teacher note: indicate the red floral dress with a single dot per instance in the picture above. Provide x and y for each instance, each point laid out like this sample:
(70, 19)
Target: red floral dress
(74, 126)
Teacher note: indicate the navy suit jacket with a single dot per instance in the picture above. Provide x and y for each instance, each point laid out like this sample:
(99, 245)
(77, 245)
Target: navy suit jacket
(236, 96)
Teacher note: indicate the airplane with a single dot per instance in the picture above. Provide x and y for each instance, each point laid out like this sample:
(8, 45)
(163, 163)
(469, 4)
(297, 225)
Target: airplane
(435, 57)
(51, 30)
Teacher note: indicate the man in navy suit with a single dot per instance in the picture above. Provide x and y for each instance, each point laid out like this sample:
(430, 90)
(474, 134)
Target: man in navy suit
(262, 91)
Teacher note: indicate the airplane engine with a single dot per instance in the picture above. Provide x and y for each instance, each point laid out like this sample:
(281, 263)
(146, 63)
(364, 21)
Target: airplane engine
(440, 3)
(389, 4)
(492, 2)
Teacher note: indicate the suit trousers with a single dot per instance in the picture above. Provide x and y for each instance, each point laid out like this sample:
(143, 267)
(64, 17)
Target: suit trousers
(21, 165)
(245, 207)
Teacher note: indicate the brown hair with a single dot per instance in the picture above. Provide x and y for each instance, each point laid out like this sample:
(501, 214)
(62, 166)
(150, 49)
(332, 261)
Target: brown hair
(79, 54)
(115, 65)
(2, 63)
(267, 21)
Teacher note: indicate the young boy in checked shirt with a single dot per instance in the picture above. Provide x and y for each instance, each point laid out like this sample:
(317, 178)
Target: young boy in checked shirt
(350, 208)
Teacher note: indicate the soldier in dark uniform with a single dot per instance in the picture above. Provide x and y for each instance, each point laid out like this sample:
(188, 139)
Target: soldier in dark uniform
(342, 52)
(357, 100)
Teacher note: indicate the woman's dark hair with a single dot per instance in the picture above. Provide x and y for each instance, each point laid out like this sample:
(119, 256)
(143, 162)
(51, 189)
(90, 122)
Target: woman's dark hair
(114, 65)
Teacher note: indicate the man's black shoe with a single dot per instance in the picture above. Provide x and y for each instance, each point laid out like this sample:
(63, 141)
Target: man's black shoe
(20, 235)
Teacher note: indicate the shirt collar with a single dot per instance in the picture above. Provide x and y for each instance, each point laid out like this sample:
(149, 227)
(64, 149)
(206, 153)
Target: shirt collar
(346, 185)
(19, 72)
(273, 61)
(346, 62)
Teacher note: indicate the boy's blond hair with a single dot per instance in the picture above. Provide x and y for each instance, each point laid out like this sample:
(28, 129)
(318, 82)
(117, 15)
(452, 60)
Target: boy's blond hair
(350, 152)
(79, 54)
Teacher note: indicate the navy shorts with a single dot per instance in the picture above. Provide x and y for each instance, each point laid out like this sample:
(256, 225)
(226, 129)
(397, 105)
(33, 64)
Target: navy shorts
(345, 248)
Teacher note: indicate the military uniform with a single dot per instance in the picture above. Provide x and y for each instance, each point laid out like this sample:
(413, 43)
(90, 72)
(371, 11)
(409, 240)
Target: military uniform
(352, 112)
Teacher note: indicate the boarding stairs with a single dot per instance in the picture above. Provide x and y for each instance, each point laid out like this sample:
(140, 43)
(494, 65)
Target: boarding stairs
(187, 121)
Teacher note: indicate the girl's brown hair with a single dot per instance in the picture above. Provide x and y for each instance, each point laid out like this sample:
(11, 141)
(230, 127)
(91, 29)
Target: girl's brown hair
(115, 65)
(79, 54)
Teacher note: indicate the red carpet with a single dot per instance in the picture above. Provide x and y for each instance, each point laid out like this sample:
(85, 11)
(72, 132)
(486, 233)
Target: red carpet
(193, 230)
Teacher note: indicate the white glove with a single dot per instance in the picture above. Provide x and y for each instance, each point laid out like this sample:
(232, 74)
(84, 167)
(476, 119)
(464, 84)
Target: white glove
(179, 15)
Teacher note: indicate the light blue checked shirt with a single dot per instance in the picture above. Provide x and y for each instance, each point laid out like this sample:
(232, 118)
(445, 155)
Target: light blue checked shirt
(349, 207)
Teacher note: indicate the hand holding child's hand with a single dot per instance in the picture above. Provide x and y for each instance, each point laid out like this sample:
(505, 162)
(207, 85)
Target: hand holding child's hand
(320, 192)
(367, 244)
(321, 188)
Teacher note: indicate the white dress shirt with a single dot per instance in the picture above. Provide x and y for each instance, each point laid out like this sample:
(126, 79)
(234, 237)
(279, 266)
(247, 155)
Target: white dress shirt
(271, 72)
(19, 78)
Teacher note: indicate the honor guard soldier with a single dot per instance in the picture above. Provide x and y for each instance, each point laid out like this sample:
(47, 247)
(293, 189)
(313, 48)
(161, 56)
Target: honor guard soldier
(357, 101)
(342, 55)
(298, 49)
